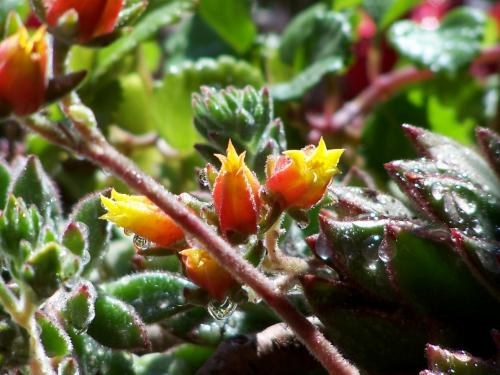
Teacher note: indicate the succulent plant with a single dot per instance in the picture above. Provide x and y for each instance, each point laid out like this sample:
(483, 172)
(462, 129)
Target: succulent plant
(420, 269)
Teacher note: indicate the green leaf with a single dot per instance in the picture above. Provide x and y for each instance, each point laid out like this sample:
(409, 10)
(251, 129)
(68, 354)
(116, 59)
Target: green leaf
(79, 309)
(154, 295)
(232, 19)
(385, 12)
(431, 274)
(444, 361)
(383, 139)
(88, 352)
(20, 6)
(186, 356)
(171, 111)
(75, 238)
(374, 339)
(316, 42)
(358, 251)
(449, 48)
(163, 16)
(32, 184)
(116, 325)
(305, 80)
(54, 339)
(197, 326)
(88, 211)
(20, 229)
(42, 270)
(4, 183)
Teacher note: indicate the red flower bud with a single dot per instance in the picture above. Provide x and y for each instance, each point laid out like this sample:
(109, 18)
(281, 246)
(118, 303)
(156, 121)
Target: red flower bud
(205, 272)
(236, 195)
(300, 177)
(95, 17)
(23, 71)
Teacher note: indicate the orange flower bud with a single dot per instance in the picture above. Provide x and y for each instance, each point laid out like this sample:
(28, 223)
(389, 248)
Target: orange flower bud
(236, 195)
(23, 71)
(205, 272)
(138, 214)
(300, 177)
(95, 17)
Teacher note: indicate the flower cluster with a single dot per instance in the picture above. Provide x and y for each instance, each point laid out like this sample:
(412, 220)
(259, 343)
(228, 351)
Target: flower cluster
(296, 179)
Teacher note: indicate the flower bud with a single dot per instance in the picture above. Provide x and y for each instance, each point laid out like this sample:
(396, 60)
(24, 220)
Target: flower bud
(138, 214)
(299, 178)
(205, 272)
(236, 195)
(89, 19)
(23, 72)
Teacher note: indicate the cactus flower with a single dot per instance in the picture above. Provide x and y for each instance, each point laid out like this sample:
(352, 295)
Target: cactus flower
(96, 18)
(300, 177)
(236, 195)
(205, 272)
(138, 214)
(23, 71)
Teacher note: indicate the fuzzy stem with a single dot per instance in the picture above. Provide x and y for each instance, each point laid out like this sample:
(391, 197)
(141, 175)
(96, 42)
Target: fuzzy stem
(7, 299)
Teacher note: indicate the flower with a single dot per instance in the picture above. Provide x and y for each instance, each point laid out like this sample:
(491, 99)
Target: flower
(23, 71)
(205, 272)
(138, 214)
(300, 177)
(96, 18)
(236, 195)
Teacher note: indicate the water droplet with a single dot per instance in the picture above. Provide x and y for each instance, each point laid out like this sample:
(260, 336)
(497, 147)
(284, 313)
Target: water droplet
(221, 310)
(141, 243)
(385, 251)
(302, 224)
(203, 180)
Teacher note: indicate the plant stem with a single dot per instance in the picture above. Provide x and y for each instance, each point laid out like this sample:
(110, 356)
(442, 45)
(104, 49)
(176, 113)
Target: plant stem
(7, 299)
(383, 88)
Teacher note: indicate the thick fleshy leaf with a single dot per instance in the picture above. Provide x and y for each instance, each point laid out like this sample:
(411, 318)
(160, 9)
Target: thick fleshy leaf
(374, 339)
(489, 141)
(358, 250)
(448, 48)
(444, 361)
(483, 258)
(20, 228)
(43, 270)
(429, 272)
(447, 194)
(88, 211)
(348, 201)
(88, 352)
(197, 326)
(75, 238)
(31, 183)
(232, 19)
(445, 150)
(54, 339)
(184, 359)
(154, 295)
(117, 325)
(78, 309)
